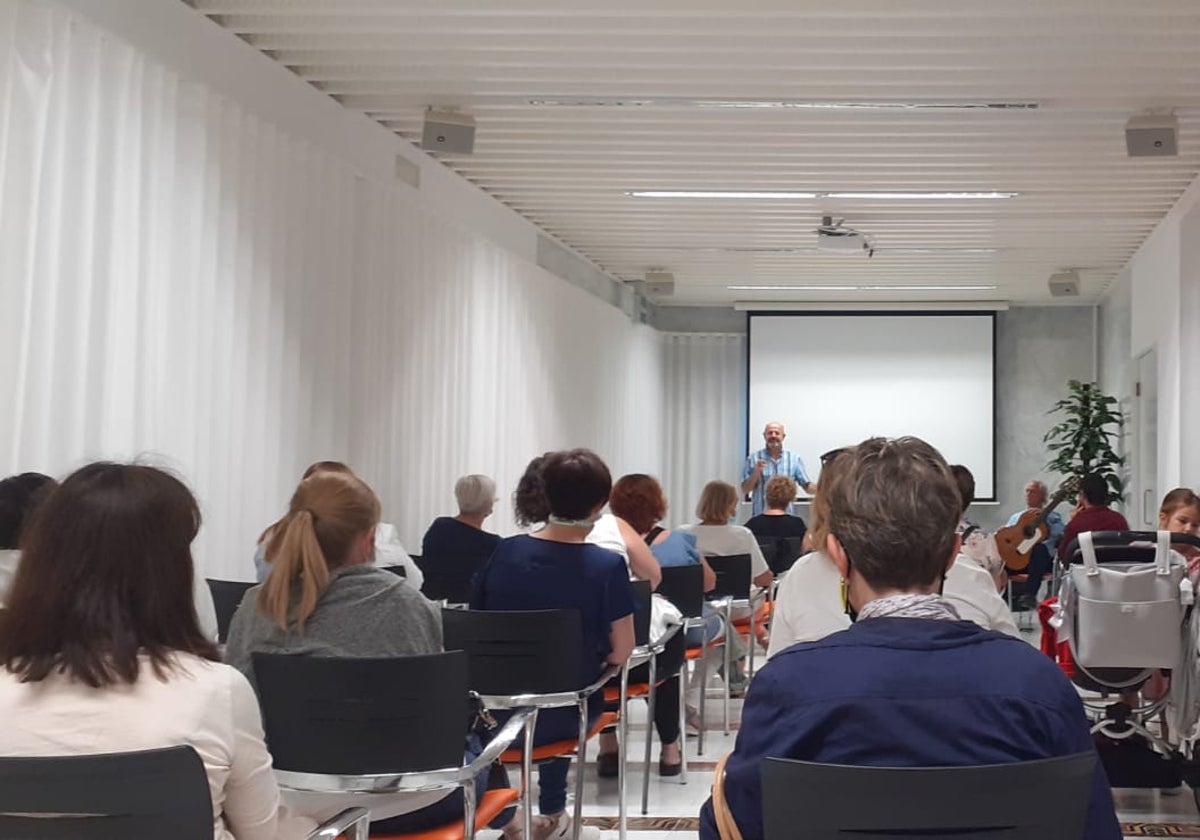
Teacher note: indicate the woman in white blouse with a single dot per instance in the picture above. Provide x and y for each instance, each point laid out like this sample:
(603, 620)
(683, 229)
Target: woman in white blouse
(101, 650)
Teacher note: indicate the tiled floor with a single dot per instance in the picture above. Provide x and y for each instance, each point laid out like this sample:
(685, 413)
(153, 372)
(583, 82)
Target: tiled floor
(673, 806)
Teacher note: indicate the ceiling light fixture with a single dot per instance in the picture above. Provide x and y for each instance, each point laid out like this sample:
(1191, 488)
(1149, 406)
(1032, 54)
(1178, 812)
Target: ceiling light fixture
(786, 195)
(776, 104)
(862, 288)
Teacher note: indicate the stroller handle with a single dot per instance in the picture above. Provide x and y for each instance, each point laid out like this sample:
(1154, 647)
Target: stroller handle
(1108, 538)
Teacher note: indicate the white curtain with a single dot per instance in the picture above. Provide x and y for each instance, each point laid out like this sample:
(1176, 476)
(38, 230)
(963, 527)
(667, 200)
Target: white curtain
(185, 282)
(705, 382)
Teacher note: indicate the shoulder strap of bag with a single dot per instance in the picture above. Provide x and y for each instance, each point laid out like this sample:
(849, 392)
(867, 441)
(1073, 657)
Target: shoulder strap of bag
(1162, 553)
(726, 825)
(1088, 549)
(653, 533)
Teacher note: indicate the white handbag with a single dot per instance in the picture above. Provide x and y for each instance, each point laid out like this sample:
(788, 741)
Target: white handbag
(1126, 614)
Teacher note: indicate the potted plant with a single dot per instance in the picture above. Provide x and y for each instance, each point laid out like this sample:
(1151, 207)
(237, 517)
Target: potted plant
(1082, 443)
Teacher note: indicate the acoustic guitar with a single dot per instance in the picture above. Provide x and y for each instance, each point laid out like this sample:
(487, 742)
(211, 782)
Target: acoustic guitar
(1016, 542)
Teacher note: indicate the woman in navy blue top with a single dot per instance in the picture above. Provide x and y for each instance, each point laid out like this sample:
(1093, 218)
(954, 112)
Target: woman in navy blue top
(554, 568)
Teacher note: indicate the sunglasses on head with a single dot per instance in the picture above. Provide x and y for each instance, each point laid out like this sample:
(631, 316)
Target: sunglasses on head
(832, 454)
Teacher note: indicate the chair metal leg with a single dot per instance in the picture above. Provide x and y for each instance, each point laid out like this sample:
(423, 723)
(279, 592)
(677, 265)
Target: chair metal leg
(622, 740)
(469, 810)
(728, 660)
(703, 697)
(527, 776)
(753, 640)
(650, 701)
(580, 763)
(683, 723)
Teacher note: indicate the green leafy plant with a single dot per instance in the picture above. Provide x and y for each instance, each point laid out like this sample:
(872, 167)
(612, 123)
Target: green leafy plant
(1082, 443)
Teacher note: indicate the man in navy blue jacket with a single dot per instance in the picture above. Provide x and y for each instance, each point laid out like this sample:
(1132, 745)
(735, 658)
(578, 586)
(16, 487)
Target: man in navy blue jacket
(909, 684)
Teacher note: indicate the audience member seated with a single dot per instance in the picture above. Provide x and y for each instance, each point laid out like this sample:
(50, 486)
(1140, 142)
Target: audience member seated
(324, 598)
(909, 683)
(1180, 514)
(19, 497)
(776, 523)
(1036, 496)
(463, 535)
(556, 568)
(388, 549)
(971, 582)
(102, 651)
(715, 536)
(638, 501)
(1092, 513)
(808, 603)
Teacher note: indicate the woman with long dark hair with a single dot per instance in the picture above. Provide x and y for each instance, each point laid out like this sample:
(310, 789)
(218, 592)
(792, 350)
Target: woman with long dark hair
(102, 651)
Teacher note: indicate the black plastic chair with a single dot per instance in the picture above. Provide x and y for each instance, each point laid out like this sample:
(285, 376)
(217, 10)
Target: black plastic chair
(781, 553)
(1046, 799)
(733, 590)
(227, 597)
(449, 578)
(530, 659)
(683, 586)
(376, 726)
(133, 796)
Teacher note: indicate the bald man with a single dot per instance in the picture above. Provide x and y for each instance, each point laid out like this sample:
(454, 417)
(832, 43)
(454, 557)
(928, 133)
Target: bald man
(768, 462)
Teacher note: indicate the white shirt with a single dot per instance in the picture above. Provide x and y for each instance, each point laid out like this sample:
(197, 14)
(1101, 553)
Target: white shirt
(808, 603)
(606, 533)
(723, 540)
(972, 590)
(205, 705)
(390, 552)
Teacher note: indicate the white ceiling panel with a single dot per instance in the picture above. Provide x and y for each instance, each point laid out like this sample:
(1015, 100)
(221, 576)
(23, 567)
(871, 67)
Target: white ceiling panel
(645, 94)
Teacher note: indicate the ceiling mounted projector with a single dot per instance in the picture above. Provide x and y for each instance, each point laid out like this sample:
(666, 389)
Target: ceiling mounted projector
(836, 239)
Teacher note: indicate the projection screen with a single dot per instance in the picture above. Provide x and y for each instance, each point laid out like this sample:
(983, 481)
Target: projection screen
(834, 378)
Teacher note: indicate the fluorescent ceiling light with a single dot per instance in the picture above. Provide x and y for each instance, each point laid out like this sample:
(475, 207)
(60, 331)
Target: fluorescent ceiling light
(863, 288)
(777, 104)
(922, 196)
(735, 194)
(774, 195)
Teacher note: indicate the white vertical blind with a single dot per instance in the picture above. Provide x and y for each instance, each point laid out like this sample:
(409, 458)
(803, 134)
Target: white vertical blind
(182, 279)
(705, 378)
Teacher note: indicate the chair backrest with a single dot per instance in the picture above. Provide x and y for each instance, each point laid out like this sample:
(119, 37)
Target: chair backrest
(683, 586)
(1125, 546)
(534, 652)
(398, 571)
(359, 716)
(133, 795)
(995, 801)
(227, 597)
(733, 575)
(449, 577)
(783, 552)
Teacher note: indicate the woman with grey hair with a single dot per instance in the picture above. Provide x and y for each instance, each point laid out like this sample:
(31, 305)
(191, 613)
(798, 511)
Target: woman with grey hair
(463, 535)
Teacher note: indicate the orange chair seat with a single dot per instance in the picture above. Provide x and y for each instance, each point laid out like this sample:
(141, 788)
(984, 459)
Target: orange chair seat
(559, 748)
(613, 693)
(486, 810)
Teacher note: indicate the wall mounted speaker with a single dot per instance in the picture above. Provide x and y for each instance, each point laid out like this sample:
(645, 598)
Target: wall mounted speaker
(1152, 135)
(1064, 284)
(448, 132)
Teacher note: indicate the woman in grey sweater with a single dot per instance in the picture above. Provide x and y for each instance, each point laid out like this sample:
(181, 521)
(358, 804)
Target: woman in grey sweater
(324, 598)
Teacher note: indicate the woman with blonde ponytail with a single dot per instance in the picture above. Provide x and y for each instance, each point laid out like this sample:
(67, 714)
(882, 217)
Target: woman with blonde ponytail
(323, 597)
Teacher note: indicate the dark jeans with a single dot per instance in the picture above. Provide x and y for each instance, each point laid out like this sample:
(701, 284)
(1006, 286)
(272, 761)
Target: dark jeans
(556, 725)
(1040, 563)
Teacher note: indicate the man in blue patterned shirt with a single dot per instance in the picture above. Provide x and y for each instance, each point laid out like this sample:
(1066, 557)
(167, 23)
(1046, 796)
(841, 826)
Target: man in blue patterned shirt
(766, 463)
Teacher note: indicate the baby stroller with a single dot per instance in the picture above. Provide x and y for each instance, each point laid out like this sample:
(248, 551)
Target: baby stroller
(1125, 611)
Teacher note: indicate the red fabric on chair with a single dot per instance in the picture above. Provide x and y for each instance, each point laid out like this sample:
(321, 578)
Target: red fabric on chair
(486, 810)
(1060, 652)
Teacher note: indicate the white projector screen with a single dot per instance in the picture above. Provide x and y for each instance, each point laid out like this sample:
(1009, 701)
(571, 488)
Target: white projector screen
(836, 378)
